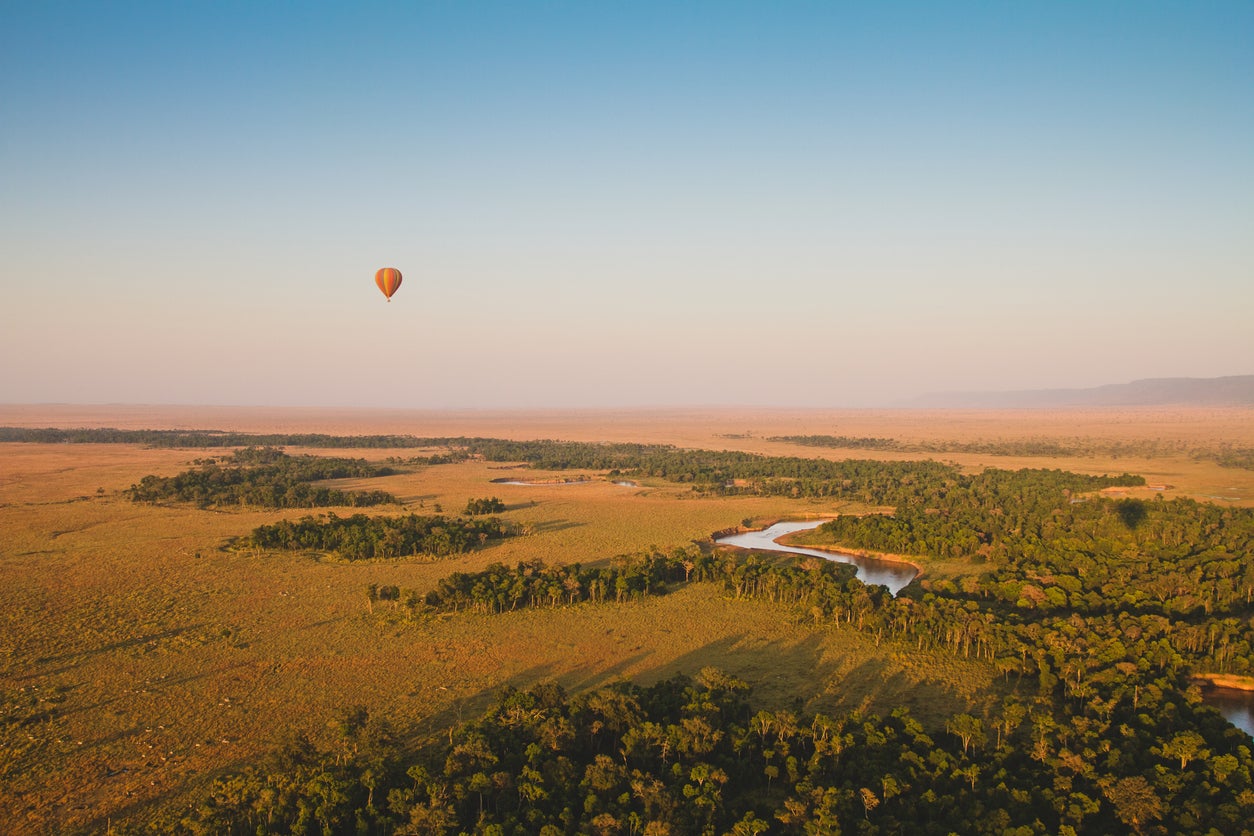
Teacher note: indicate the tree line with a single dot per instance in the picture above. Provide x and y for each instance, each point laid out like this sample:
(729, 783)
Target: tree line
(1027, 447)
(633, 577)
(708, 471)
(1226, 455)
(359, 537)
(265, 477)
(736, 473)
(211, 438)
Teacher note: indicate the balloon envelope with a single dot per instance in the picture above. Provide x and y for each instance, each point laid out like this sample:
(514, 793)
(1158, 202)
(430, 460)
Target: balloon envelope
(388, 279)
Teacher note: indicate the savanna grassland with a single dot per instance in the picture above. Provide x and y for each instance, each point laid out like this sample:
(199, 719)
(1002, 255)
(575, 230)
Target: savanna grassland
(146, 654)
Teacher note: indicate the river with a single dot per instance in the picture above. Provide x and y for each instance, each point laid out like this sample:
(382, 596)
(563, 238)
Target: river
(892, 574)
(1235, 705)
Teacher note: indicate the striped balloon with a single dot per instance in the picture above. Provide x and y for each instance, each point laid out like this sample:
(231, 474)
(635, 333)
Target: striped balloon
(388, 279)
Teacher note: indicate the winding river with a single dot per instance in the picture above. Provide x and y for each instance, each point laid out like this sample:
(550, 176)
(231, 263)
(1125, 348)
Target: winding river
(896, 576)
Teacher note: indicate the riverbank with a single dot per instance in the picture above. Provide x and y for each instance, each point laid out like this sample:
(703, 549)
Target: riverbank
(798, 538)
(893, 574)
(1230, 681)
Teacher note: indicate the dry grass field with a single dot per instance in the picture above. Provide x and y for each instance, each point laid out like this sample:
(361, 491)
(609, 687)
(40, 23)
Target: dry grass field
(749, 429)
(168, 659)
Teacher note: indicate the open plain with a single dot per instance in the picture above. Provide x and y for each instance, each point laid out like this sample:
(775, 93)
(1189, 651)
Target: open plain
(145, 656)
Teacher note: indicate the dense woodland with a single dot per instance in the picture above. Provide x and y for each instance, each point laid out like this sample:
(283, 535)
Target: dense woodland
(267, 478)
(694, 756)
(1054, 551)
(360, 537)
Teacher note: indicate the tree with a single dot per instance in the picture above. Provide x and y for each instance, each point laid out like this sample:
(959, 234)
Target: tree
(1135, 801)
(1012, 715)
(968, 729)
(869, 802)
(1187, 746)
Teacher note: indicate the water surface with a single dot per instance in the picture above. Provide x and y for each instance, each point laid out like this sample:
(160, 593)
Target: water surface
(896, 576)
(1235, 705)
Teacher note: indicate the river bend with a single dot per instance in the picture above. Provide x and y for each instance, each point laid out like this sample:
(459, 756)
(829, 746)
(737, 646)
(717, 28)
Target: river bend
(892, 574)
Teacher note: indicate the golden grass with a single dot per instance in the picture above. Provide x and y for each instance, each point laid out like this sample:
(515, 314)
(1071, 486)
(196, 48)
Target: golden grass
(748, 429)
(174, 659)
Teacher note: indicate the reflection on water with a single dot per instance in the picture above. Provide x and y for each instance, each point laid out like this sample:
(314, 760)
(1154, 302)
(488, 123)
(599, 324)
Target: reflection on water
(895, 576)
(1235, 705)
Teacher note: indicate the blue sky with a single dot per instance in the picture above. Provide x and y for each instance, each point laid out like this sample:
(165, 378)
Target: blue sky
(620, 204)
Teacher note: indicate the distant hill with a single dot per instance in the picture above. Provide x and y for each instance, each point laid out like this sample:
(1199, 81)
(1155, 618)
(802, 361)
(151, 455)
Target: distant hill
(1236, 390)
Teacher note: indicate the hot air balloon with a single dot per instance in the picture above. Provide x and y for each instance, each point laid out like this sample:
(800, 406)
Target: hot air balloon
(388, 279)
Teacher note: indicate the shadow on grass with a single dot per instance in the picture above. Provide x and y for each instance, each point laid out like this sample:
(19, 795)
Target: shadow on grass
(550, 526)
(806, 676)
(790, 673)
(409, 499)
(590, 680)
(870, 688)
(83, 655)
(436, 726)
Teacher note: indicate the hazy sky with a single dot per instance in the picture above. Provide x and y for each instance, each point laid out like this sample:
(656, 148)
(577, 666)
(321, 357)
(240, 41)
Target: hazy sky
(620, 204)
